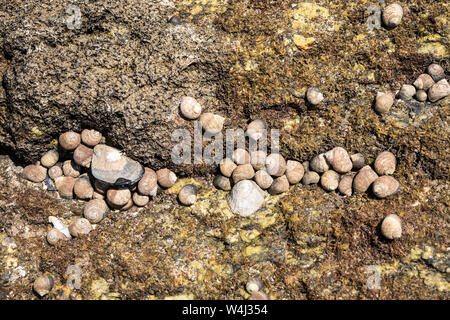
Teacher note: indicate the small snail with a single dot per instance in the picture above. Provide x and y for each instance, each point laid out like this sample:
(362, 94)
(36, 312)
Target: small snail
(314, 96)
(243, 172)
(190, 108)
(363, 179)
(329, 180)
(310, 177)
(55, 172)
(258, 295)
(69, 140)
(83, 156)
(118, 197)
(339, 160)
(279, 185)
(385, 163)
(254, 285)
(385, 186)
(140, 200)
(439, 90)
(383, 102)
(275, 164)
(358, 161)
(258, 159)
(148, 185)
(43, 284)
(91, 138)
(227, 166)
(345, 185)
(54, 236)
(407, 92)
(263, 179)
(79, 227)
(423, 82)
(166, 178)
(188, 194)
(50, 158)
(436, 72)
(421, 95)
(241, 156)
(34, 173)
(222, 183)
(95, 210)
(391, 227)
(64, 185)
(83, 188)
(319, 164)
(211, 122)
(294, 171)
(392, 15)
(71, 169)
(256, 129)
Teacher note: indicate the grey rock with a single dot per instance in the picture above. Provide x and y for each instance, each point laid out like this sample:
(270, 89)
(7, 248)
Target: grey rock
(246, 198)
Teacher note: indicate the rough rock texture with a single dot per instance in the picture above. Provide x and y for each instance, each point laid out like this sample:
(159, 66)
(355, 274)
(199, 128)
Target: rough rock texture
(124, 73)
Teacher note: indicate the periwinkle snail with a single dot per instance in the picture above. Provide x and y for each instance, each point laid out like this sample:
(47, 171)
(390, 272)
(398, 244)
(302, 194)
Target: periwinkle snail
(364, 179)
(91, 137)
(188, 195)
(392, 15)
(54, 236)
(69, 140)
(275, 164)
(385, 186)
(118, 197)
(43, 284)
(34, 173)
(339, 160)
(95, 210)
(166, 178)
(50, 158)
(227, 167)
(254, 285)
(79, 227)
(190, 108)
(391, 227)
(279, 185)
(384, 102)
(211, 122)
(314, 96)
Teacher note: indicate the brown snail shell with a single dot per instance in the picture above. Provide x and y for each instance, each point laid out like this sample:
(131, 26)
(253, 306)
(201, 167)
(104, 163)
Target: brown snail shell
(227, 166)
(314, 95)
(358, 161)
(54, 236)
(339, 160)
(363, 179)
(91, 138)
(407, 92)
(258, 295)
(222, 183)
(384, 102)
(423, 82)
(243, 172)
(319, 164)
(83, 156)
(69, 140)
(55, 172)
(439, 90)
(241, 156)
(436, 72)
(128, 206)
(392, 15)
(385, 163)
(65, 185)
(211, 122)
(275, 164)
(166, 178)
(34, 173)
(310, 177)
(190, 108)
(279, 185)
(140, 200)
(43, 284)
(50, 158)
(148, 185)
(391, 227)
(421, 95)
(71, 169)
(79, 227)
(294, 171)
(95, 210)
(258, 159)
(188, 195)
(385, 186)
(345, 185)
(83, 188)
(118, 197)
(263, 179)
(257, 129)
(329, 180)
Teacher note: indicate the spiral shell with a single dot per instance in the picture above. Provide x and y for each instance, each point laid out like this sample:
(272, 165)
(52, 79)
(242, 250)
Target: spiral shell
(69, 140)
(275, 164)
(83, 156)
(339, 160)
(391, 227)
(385, 163)
(329, 180)
(79, 227)
(55, 172)
(34, 173)
(436, 72)
(439, 90)
(314, 95)
(279, 185)
(423, 82)
(211, 122)
(95, 210)
(71, 169)
(166, 178)
(190, 108)
(54, 236)
(148, 185)
(385, 186)
(118, 198)
(407, 92)
(188, 195)
(243, 172)
(346, 183)
(392, 15)
(140, 200)
(263, 179)
(222, 183)
(310, 177)
(43, 284)
(358, 161)
(257, 129)
(50, 158)
(294, 171)
(319, 164)
(65, 185)
(363, 179)
(254, 285)
(227, 166)
(128, 205)
(384, 102)
(83, 188)
(241, 156)
(91, 138)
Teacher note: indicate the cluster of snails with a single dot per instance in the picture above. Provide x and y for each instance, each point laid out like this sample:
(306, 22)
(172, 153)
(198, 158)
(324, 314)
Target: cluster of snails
(74, 177)
(431, 86)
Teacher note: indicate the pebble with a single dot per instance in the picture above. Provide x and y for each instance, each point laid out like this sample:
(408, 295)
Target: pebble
(329, 180)
(95, 210)
(246, 198)
(118, 197)
(364, 179)
(83, 156)
(227, 166)
(339, 160)
(50, 158)
(275, 164)
(263, 179)
(55, 172)
(188, 195)
(83, 188)
(279, 185)
(69, 140)
(71, 169)
(34, 173)
(111, 167)
(166, 178)
(258, 159)
(385, 163)
(243, 172)
(222, 183)
(391, 227)
(358, 161)
(148, 185)
(385, 186)
(65, 185)
(294, 171)
(190, 108)
(319, 164)
(91, 138)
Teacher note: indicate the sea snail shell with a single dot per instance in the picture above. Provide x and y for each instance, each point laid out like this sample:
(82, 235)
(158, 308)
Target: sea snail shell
(385, 186)
(148, 185)
(50, 158)
(384, 102)
(211, 122)
(330, 180)
(279, 185)
(190, 108)
(439, 90)
(118, 197)
(54, 236)
(391, 227)
(339, 160)
(385, 163)
(254, 285)
(392, 15)
(363, 179)
(95, 210)
(188, 194)
(69, 140)
(314, 95)
(263, 179)
(275, 164)
(243, 172)
(80, 226)
(34, 173)
(91, 137)
(166, 178)
(423, 82)
(43, 284)
(227, 166)
(83, 156)
(140, 200)
(83, 188)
